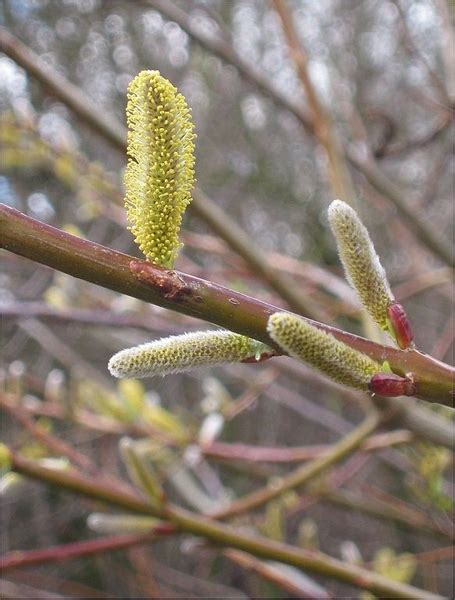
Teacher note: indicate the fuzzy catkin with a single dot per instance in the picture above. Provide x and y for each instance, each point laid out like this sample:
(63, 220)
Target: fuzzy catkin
(360, 261)
(160, 173)
(322, 350)
(180, 353)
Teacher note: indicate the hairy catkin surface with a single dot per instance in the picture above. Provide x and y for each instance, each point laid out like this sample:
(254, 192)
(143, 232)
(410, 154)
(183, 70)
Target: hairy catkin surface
(360, 261)
(321, 350)
(180, 353)
(160, 171)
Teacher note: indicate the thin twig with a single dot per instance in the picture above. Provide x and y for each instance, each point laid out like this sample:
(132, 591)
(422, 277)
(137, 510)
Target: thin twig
(51, 442)
(304, 473)
(18, 559)
(409, 517)
(339, 176)
(312, 561)
(245, 452)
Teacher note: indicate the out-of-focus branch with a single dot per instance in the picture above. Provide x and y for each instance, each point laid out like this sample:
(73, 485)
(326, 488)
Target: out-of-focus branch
(299, 585)
(51, 442)
(424, 231)
(115, 134)
(417, 143)
(447, 47)
(240, 241)
(195, 297)
(63, 89)
(312, 561)
(304, 473)
(244, 452)
(408, 517)
(84, 316)
(412, 48)
(376, 178)
(219, 47)
(323, 127)
(18, 559)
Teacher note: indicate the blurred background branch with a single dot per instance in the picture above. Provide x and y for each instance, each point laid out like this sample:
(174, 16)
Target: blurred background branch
(294, 103)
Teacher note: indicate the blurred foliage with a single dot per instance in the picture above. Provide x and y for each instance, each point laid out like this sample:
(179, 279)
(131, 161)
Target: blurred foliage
(257, 163)
(398, 567)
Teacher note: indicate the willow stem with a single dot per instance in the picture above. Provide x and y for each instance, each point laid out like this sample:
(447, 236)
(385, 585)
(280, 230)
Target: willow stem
(196, 297)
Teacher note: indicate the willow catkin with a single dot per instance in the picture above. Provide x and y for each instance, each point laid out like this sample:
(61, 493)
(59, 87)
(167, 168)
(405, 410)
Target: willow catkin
(160, 172)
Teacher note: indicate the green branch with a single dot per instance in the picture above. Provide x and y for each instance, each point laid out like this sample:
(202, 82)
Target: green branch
(308, 471)
(312, 561)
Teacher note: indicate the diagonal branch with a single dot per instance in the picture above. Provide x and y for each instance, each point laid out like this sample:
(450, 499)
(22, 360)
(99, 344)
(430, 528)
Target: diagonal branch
(194, 296)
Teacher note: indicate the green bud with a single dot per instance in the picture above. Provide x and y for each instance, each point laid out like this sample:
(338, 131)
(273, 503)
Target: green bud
(104, 523)
(140, 472)
(322, 350)
(361, 263)
(180, 353)
(5, 457)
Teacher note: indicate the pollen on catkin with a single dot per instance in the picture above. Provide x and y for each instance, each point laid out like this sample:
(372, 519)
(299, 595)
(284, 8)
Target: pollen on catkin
(160, 173)
(360, 261)
(180, 353)
(322, 350)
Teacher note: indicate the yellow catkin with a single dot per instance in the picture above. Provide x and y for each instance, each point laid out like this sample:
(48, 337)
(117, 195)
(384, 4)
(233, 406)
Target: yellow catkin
(160, 171)
(321, 350)
(180, 353)
(361, 263)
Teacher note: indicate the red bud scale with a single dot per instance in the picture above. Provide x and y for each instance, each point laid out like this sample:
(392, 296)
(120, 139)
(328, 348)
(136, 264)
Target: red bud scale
(391, 386)
(400, 325)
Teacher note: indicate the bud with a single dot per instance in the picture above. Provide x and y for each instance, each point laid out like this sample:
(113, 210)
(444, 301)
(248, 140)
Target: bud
(360, 261)
(322, 350)
(180, 353)
(141, 473)
(105, 523)
(399, 326)
(160, 172)
(390, 385)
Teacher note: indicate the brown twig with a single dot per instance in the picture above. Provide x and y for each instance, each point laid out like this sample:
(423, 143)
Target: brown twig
(245, 452)
(408, 516)
(339, 176)
(18, 559)
(51, 442)
(193, 296)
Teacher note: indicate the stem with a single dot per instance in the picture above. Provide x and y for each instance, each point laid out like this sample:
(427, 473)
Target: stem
(303, 474)
(195, 297)
(17, 559)
(424, 231)
(51, 442)
(408, 517)
(312, 561)
(245, 452)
